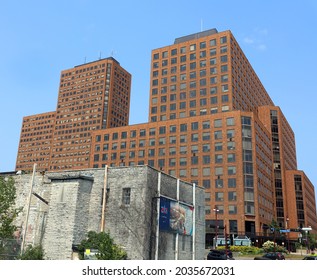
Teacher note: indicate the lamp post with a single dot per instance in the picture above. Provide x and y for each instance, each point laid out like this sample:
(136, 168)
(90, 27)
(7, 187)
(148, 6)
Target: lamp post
(216, 212)
(287, 234)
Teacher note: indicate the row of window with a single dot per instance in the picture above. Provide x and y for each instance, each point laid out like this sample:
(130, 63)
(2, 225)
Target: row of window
(192, 47)
(217, 123)
(193, 65)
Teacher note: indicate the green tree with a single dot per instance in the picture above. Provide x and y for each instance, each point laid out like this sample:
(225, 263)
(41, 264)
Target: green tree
(8, 212)
(33, 253)
(104, 244)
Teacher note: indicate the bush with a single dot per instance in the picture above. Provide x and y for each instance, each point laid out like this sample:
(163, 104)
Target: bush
(104, 245)
(244, 250)
(32, 253)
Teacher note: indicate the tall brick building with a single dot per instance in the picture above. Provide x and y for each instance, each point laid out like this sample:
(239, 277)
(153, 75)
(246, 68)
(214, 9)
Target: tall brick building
(211, 122)
(91, 96)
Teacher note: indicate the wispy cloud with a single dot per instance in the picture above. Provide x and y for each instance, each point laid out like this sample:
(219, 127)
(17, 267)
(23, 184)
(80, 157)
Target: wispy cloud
(257, 39)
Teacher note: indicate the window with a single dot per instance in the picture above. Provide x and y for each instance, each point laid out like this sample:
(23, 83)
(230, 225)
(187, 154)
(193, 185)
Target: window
(212, 52)
(172, 151)
(206, 159)
(162, 152)
(132, 144)
(183, 161)
(105, 147)
(194, 172)
(194, 160)
(224, 98)
(224, 58)
(232, 209)
(151, 152)
(223, 40)
(206, 184)
(172, 139)
(212, 42)
(231, 157)
(162, 130)
(194, 137)
(231, 170)
(206, 136)
(132, 154)
(214, 100)
(218, 146)
(172, 162)
(218, 158)
(218, 134)
(230, 121)
(133, 133)
(219, 196)
(206, 148)
(232, 196)
(219, 183)
(206, 124)
(202, 45)
(206, 171)
(183, 149)
(213, 90)
(232, 183)
(194, 125)
(183, 139)
(218, 171)
(96, 157)
(126, 196)
(218, 123)
(224, 68)
(213, 61)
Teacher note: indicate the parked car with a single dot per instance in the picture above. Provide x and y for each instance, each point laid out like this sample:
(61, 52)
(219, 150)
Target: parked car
(220, 255)
(271, 256)
(310, 258)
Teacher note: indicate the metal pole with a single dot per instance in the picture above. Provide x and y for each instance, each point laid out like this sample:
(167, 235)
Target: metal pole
(216, 237)
(157, 234)
(194, 221)
(177, 234)
(28, 209)
(104, 195)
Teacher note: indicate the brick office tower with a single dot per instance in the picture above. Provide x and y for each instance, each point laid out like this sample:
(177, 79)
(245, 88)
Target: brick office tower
(212, 122)
(35, 141)
(91, 96)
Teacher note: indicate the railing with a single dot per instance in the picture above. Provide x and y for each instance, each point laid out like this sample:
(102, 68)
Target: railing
(10, 249)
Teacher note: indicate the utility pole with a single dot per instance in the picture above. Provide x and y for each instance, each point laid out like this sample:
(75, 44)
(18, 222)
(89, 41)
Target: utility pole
(28, 209)
(216, 237)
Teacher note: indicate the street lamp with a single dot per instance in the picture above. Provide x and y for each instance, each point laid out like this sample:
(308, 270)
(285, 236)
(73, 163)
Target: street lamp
(216, 212)
(287, 234)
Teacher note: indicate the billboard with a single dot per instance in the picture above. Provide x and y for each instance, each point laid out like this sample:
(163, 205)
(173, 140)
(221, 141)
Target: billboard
(175, 217)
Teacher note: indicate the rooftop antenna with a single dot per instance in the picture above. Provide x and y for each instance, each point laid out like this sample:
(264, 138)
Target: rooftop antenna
(85, 60)
(201, 25)
(99, 55)
(112, 53)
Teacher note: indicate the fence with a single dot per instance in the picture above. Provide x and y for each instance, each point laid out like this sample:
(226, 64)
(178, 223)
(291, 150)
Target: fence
(10, 249)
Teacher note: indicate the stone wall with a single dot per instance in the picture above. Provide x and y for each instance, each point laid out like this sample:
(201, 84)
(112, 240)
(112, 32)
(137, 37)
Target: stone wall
(75, 207)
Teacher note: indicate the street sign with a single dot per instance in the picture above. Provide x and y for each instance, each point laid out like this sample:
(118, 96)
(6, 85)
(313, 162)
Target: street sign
(306, 228)
(284, 230)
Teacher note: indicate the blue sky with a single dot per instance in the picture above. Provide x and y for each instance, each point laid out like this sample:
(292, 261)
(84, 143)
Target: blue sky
(41, 38)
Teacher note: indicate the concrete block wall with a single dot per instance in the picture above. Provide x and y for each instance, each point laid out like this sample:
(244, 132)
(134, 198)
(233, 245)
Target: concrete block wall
(75, 207)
